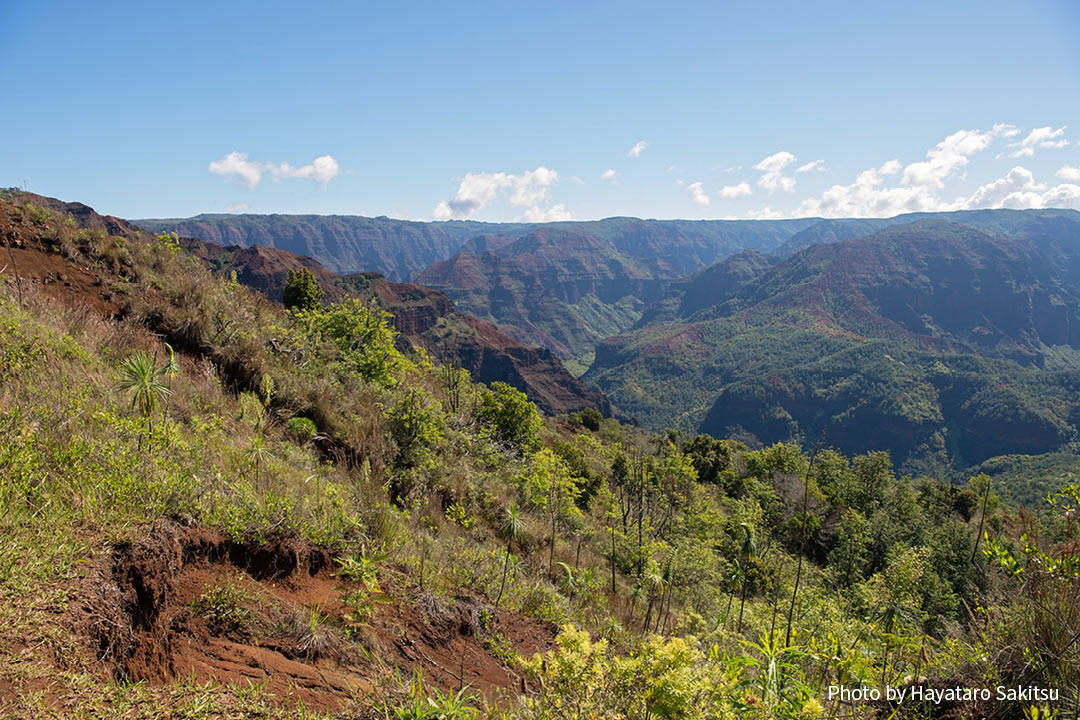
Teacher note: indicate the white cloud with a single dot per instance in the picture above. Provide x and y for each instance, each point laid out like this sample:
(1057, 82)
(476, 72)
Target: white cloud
(1069, 173)
(866, 197)
(529, 191)
(557, 213)
(697, 193)
(1018, 190)
(531, 188)
(1044, 137)
(945, 158)
(236, 165)
(734, 191)
(236, 208)
(765, 213)
(636, 151)
(322, 170)
(815, 165)
(877, 193)
(773, 167)
(610, 174)
(890, 168)
(1063, 196)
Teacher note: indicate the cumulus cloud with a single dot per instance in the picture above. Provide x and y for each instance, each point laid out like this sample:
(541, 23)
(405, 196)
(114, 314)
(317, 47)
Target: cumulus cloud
(610, 174)
(553, 214)
(1069, 173)
(765, 213)
(322, 170)
(890, 168)
(1044, 137)
(638, 148)
(1063, 196)
(528, 190)
(946, 158)
(236, 208)
(877, 192)
(237, 166)
(733, 191)
(697, 193)
(772, 168)
(1019, 190)
(815, 165)
(867, 197)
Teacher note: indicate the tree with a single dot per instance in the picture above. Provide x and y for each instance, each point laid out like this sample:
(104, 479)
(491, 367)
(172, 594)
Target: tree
(591, 419)
(512, 529)
(141, 375)
(548, 485)
(510, 417)
(302, 291)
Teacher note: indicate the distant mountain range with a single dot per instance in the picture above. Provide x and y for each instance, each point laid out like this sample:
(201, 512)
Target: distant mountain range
(402, 249)
(936, 340)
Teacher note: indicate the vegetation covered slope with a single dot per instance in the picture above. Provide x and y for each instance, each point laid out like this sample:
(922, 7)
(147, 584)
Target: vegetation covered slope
(425, 318)
(933, 340)
(560, 288)
(279, 514)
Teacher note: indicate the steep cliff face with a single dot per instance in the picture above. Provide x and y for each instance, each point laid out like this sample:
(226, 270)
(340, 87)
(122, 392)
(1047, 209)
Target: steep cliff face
(425, 318)
(562, 289)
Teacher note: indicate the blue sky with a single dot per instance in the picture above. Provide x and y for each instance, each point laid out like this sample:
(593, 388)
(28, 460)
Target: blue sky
(508, 110)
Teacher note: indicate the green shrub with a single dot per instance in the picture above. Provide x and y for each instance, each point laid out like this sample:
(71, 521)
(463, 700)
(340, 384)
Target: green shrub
(302, 429)
(510, 418)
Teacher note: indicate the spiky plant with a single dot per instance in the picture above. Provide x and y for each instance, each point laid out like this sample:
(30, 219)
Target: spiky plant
(512, 529)
(257, 454)
(140, 377)
(746, 554)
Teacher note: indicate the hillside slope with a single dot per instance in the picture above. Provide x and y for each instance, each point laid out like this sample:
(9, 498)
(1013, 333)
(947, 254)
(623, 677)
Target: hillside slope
(425, 318)
(933, 339)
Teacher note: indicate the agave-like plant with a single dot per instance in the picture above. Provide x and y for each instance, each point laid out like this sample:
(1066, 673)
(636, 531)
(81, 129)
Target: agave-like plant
(512, 529)
(141, 375)
(257, 454)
